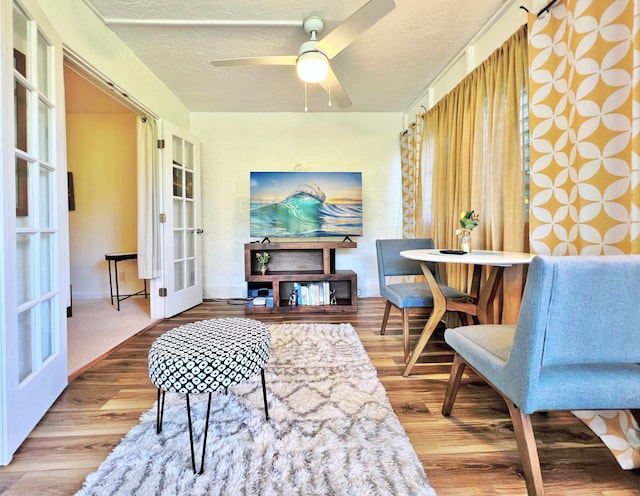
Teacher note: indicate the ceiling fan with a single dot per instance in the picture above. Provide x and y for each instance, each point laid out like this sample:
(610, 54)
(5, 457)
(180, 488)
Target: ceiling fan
(312, 60)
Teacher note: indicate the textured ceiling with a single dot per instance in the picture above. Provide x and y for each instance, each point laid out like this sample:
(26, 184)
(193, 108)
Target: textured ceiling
(383, 70)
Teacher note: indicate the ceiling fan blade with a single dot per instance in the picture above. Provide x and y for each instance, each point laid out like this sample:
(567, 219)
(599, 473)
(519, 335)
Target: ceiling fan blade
(274, 60)
(335, 90)
(356, 24)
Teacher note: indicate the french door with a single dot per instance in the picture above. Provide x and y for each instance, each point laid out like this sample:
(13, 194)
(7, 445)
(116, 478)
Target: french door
(181, 221)
(35, 262)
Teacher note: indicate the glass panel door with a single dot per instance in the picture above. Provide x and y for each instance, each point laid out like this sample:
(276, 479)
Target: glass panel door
(184, 229)
(183, 263)
(34, 345)
(36, 235)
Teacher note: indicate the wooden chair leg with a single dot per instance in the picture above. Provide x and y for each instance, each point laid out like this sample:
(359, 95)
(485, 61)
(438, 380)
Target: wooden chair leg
(457, 368)
(522, 428)
(527, 448)
(467, 318)
(385, 318)
(405, 334)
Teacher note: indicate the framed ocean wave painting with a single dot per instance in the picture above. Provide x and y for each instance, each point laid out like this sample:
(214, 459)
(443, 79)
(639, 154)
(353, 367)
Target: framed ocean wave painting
(305, 204)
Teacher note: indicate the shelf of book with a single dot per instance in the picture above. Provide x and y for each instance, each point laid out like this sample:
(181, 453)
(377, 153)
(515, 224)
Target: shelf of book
(300, 277)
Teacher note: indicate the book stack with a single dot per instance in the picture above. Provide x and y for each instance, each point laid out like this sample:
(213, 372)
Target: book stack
(312, 294)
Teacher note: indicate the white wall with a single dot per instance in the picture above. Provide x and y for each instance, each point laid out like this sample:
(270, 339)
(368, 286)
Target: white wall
(234, 144)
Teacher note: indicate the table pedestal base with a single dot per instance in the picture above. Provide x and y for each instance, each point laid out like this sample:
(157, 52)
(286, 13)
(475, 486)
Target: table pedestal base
(479, 307)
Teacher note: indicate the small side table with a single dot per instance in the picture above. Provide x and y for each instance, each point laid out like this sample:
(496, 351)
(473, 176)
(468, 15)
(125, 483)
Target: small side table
(206, 357)
(119, 257)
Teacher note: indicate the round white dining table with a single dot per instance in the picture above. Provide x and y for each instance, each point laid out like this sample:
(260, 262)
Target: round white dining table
(479, 303)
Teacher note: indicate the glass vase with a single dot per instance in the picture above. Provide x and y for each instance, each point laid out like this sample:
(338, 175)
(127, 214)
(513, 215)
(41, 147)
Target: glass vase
(465, 241)
(263, 269)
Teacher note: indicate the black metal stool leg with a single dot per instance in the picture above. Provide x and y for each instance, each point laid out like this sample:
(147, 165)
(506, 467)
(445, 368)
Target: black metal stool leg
(193, 456)
(204, 442)
(159, 411)
(206, 430)
(264, 395)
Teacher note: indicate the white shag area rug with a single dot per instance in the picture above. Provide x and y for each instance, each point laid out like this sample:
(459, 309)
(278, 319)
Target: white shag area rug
(331, 431)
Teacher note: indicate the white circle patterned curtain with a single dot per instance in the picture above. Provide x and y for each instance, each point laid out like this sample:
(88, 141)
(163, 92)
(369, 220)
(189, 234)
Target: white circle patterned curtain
(584, 106)
(410, 147)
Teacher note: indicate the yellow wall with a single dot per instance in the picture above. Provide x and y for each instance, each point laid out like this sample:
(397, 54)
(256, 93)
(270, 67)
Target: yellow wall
(101, 154)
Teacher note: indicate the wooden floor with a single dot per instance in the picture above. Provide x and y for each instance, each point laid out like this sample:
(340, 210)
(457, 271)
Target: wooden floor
(473, 452)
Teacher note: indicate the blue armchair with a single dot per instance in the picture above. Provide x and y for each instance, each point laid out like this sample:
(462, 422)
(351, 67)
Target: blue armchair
(408, 297)
(575, 346)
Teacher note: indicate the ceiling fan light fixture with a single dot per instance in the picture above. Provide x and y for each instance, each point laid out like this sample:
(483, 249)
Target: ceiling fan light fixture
(312, 66)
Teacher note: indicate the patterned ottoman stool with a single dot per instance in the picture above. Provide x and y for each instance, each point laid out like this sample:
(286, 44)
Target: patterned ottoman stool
(205, 357)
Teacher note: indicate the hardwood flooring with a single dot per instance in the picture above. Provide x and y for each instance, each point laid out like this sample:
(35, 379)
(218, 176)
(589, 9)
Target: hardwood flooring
(473, 452)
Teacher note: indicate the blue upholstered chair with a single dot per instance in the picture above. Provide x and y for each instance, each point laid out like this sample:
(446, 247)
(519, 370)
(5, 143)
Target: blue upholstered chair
(576, 346)
(408, 297)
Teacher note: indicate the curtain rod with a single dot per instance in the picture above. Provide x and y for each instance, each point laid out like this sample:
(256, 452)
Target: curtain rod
(543, 10)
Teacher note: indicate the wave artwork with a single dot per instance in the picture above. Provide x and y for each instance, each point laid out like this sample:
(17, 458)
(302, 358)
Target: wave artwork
(306, 204)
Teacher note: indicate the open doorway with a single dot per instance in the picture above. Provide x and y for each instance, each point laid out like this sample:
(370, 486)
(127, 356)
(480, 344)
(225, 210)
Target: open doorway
(102, 164)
